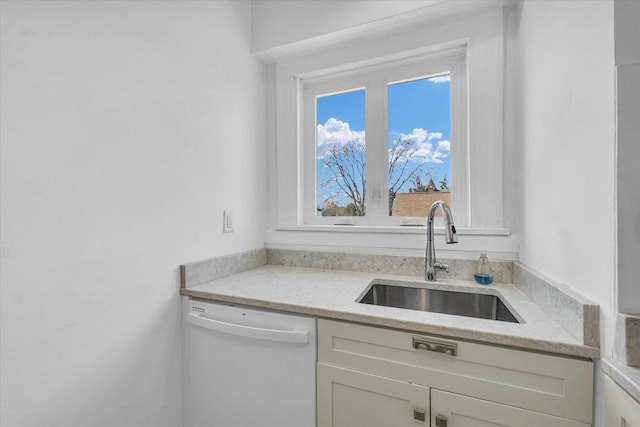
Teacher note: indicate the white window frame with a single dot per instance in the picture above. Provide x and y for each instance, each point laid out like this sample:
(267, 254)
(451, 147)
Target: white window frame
(375, 78)
(482, 34)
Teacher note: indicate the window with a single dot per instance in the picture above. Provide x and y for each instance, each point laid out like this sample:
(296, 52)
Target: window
(419, 122)
(470, 49)
(380, 143)
(340, 154)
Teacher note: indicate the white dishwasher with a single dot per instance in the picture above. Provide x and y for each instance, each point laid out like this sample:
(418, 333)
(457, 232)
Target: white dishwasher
(248, 367)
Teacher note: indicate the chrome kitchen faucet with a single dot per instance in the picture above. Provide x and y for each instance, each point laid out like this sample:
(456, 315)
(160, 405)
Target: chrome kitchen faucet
(430, 265)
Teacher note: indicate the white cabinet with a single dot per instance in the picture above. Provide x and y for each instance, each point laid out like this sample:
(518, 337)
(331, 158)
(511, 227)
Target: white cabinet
(620, 408)
(461, 411)
(348, 398)
(361, 369)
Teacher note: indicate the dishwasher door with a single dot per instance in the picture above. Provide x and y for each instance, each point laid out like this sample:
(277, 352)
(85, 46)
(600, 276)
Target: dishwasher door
(248, 367)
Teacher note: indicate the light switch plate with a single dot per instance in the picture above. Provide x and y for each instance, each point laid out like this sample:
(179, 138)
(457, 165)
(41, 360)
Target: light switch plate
(227, 224)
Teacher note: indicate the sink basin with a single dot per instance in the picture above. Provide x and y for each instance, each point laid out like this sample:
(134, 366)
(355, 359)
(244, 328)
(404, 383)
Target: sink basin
(458, 303)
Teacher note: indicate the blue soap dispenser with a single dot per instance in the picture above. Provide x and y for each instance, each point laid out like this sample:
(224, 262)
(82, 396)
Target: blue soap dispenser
(482, 273)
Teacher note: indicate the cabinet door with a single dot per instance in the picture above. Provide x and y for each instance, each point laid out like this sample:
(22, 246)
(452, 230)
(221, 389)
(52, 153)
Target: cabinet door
(620, 408)
(454, 410)
(348, 398)
(555, 385)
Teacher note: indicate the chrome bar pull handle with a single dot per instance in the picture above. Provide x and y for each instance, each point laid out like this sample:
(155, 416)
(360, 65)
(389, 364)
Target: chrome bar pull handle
(438, 346)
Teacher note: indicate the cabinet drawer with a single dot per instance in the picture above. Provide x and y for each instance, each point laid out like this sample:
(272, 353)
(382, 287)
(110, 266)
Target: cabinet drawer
(545, 383)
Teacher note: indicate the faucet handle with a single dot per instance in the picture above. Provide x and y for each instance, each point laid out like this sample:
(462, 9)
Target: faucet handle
(442, 266)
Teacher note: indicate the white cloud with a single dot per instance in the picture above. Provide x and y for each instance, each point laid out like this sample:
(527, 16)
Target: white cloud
(426, 147)
(443, 150)
(435, 135)
(418, 136)
(440, 79)
(336, 132)
(423, 149)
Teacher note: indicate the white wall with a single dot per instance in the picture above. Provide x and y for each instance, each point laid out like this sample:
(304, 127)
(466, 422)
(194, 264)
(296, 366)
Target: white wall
(561, 117)
(282, 22)
(564, 115)
(127, 128)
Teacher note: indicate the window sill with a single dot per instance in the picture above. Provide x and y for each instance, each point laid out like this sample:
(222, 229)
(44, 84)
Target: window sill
(393, 240)
(388, 229)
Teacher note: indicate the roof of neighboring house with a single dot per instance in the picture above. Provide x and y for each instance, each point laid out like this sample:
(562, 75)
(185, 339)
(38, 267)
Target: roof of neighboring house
(418, 203)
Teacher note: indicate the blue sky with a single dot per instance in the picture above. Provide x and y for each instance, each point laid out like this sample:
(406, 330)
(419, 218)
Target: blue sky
(419, 111)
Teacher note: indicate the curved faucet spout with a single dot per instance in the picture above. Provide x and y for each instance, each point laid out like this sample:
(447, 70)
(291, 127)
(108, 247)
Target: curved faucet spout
(431, 266)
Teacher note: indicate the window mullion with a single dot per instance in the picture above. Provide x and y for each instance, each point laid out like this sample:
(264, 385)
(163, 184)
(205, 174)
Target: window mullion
(307, 150)
(376, 137)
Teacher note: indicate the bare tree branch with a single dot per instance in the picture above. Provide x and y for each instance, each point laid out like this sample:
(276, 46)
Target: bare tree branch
(346, 164)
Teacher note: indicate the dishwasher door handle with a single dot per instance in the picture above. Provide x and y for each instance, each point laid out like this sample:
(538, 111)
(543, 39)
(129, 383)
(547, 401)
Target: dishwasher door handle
(295, 336)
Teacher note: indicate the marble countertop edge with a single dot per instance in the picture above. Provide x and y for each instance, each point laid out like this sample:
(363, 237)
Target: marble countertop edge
(333, 295)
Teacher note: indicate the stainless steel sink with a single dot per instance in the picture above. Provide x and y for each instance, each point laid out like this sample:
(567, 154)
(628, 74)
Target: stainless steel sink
(458, 303)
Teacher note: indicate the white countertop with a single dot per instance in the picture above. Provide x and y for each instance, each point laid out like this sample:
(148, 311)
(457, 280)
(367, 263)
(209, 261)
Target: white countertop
(333, 294)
